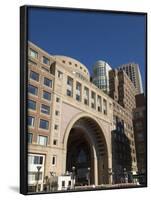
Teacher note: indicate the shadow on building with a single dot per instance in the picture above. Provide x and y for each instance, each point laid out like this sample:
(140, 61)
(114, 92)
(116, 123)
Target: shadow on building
(121, 155)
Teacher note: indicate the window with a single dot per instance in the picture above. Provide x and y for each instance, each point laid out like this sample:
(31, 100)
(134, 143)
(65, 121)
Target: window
(69, 86)
(78, 91)
(32, 176)
(93, 97)
(47, 82)
(31, 121)
(56, 127)
(57, 112)
(57, 99)
(33, 53)
(38, 160)
(30, 136)
(104, 107)
(44, 124)
(86, 96)
(47, 95)
(140, 136)
(46, 60)
(32, 89)
(31, 62)
(99, 104)
(45, 109)
(34, 75)
(60, 74)
(31, 104)
(63, 183)
(54, 158)
(69, 183)
(42, 140)
(54, 142)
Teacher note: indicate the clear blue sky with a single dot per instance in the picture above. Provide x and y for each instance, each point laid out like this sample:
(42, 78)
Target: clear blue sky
(90, 36)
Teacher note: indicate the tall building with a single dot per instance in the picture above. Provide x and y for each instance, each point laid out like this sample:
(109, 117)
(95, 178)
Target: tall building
(139, 122)
(133, 72)
(124, 161)
(123, 92)
(69, 122)
(122, 89)
(101, 75)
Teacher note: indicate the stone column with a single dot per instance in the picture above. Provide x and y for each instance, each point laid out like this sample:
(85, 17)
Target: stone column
(95, 162)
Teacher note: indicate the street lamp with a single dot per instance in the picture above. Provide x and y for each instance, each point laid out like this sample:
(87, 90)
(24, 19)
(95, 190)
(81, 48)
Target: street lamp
(125, 176)
(38, 168)
(73, 176)
(89, 175)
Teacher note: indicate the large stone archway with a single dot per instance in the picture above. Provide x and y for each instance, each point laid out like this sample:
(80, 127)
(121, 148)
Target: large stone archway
(84, 139)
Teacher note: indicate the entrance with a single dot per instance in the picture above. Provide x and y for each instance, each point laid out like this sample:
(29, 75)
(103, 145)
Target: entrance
(79, 157)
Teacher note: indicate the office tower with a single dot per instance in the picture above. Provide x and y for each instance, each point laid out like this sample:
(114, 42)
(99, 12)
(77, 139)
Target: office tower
(133, 72)
(101, 75)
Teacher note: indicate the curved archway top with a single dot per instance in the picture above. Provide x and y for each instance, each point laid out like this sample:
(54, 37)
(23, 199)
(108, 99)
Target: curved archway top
(75, 119)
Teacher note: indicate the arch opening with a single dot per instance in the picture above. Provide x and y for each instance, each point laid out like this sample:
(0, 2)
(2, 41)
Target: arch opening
(87, 153)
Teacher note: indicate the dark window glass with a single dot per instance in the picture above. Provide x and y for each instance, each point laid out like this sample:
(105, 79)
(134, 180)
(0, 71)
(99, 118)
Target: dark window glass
(47, 95)
(38, 160)
(69, 93)
(46, 60)
(30, 136)
(34, 75)
(45, 109)
(44, 124)
(57, 99)
(31, 120)
(31, 104)
(47, 82)
(32, 89)
(63, 183)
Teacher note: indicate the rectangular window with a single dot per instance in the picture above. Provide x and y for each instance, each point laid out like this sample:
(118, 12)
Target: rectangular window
(34, 76)
(56, 127)
(104, 107)
(32, 89)
(31, 104)
(93, 100)
(47, 82)
(44, 124)
(47, 95)
(69, 86)
(54, 158)
(57, 99)
(86, 96)
(60, 74)
(99, 104)
(54, 142)
(78, 91)
(45, 109)
(33, 53)
(30, 136)
(31, 121)
(46, 60)
(63, 183)
(42, 140)
(38, 160)
(57, 112)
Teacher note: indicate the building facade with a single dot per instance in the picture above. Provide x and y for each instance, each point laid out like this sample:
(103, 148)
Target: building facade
(139, 122)
(101, 75)
(69, 121)
(133, 72)
(124, 161)
(122, 89)
(123, 92)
